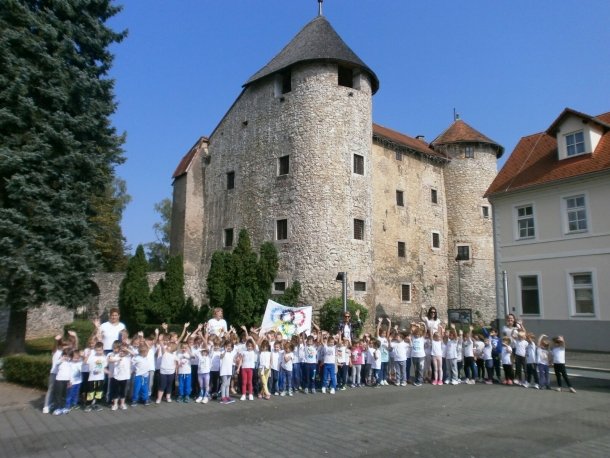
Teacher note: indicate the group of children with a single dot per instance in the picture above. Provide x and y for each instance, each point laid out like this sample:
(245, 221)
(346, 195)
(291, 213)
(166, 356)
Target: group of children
(215, 362)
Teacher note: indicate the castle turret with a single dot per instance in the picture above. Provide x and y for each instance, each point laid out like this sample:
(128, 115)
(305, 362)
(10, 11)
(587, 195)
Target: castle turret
(296, 147)
(467, 176)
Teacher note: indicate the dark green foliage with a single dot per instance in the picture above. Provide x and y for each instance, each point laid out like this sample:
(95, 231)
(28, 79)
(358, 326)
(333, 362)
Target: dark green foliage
(167, 302)
(240, 282)
(58, 149)
(29, 370)
(332, 310)
(134, 300)
(83, 328)
(291, 295)
(158, 251)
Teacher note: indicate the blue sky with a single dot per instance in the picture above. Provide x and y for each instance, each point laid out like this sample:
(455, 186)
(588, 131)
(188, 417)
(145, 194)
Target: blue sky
(507, 67)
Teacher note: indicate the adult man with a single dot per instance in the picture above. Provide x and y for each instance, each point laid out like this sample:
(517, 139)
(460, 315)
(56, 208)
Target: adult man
(348, 329)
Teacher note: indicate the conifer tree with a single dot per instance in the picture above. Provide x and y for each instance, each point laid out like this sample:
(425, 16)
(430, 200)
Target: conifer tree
(58, 149)
(167, 298)
(134, 300)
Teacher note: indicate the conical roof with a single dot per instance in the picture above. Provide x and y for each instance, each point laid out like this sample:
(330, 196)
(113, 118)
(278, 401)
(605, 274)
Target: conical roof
(460, 132)
(318, 40)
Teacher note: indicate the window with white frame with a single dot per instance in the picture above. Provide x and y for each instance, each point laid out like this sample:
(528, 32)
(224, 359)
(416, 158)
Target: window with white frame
(530, 295)
(576, 213)
(485, 211)
(526, 228)
(405, 292)
(279, 287)
(575, 143)
(582, 293)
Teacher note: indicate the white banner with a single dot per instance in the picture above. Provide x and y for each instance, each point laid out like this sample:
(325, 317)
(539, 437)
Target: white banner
(287, 320)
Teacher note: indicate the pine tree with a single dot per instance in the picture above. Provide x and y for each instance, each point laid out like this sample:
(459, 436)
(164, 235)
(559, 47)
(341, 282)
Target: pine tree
(134, 300)
(58, 149)
(167, 298)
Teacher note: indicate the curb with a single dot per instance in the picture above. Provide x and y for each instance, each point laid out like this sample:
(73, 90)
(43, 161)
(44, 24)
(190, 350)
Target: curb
(585, 368)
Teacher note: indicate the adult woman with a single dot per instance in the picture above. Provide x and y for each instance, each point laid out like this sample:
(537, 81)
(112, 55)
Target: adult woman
(431, 320)
(511, 328)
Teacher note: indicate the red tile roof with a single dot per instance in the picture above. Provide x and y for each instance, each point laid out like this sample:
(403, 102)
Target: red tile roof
(185, 162)
(409, 142)
(535, 161)
(460, 132)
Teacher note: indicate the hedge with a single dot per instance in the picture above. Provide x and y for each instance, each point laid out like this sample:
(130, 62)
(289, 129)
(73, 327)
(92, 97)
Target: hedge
(29, 370)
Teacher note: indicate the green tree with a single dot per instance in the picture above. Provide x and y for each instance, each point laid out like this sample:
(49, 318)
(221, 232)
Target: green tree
(291, 295)
(134, 292)
(332, 310)
(167, 298)
(240, 282)
(109, 240)
(57, 149)
(158, 251)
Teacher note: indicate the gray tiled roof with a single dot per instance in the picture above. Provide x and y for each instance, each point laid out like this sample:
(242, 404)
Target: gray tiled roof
(318, 40)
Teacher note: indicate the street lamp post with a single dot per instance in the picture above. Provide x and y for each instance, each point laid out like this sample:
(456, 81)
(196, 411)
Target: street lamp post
(342, 277)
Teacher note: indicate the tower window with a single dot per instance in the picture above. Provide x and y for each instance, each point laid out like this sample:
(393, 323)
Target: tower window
(359, 229)
(283, 165)
(405, 292)
(463, 253)
(358, 164)
(400, 198)
(434, 196)
(230, 180)
(346, 77)
(485, 211)
(279, 287)
(281, 229)
(402, 249)
(228, 237)
(436, 240)
(469, 152)
(359, 286)
(286, 81)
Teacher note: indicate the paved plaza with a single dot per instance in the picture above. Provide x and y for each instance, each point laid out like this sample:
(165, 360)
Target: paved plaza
(465, 420)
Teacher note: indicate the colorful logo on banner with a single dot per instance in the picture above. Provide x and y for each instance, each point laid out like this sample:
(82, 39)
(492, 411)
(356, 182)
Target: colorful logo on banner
(287, 320)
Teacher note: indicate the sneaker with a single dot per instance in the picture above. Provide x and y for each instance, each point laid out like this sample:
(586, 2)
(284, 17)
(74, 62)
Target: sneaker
(417, 384)
(186, 399)
(123, 406)
(229, 401)
(536, 386)
(205, 400)
(290, 393)
(243, 397)
(276, 394)
(251, 397)
(158, 401)
(114, 407)
(455, 382)
(352, 386)
(332, 391)
(323, 390)
(97, 407)
(88, 409)
(305, 391)
(488, 382)
(313, 391)
(525, 385)
(509, 382)
(58, 412)
(283, 393)
(147, 403)
(178, 399)
(572, 390)
(343, 388)
(403, 384)
(558, 389)
(45, 409)
(134, 404)
(199, 399)
(168, 399)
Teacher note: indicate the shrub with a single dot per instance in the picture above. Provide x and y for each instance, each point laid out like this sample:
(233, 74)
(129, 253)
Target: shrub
(331, 311)
(83, 329)
(29, 370)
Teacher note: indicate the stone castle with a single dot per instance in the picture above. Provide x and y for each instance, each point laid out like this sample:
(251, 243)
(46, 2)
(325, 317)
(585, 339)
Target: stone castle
(298, 160)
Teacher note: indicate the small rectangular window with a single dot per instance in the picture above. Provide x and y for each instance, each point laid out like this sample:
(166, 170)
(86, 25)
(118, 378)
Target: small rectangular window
(582, 293)
(402, 249)
(281, 229)
(359, 286)
(345, 76)
(530, 298)
(575, 143)
(436, 240)
(469, 152)
(228, 237)
(400, 198)
(433, 196)
(485, 211)
(279, 287)
(358, 164)
(283, 165)
(286, 81)
(463, 253)
(230, 180)
(398, 156)
(359, 229)
(405, 292)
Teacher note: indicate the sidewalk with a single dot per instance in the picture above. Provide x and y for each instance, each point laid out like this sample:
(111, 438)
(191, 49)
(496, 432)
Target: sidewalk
(599, 362)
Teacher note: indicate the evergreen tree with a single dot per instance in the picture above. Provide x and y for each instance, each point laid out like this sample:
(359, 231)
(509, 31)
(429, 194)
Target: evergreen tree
(220, 276)
(291, 295)
(134, 293)
(167, 297)
(58, 149)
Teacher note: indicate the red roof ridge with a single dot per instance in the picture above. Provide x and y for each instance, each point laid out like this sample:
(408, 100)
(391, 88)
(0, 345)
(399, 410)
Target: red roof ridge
(407, 141)
(187, 159)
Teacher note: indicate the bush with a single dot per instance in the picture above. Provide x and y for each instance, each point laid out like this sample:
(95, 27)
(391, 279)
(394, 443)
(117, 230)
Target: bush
(29, 370)
(83, 329)
(332, 311)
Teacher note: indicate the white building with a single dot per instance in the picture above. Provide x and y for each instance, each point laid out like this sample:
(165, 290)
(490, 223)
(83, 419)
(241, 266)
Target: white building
(551, 213)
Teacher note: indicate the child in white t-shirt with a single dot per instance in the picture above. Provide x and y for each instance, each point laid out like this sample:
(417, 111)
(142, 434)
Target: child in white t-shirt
(543, 359)
(329, 376)
(62, 379)
(227, 360)
(97, 362)
(507, 363)
(184, 373)
(276, 354)
(436, 353)
(264, 369)
(247, 363)
(168, 366)
(531, 368)
(140, 364)
(76, 379)
(204, 365)
(559, 362)
(286, 366)
(311, 364)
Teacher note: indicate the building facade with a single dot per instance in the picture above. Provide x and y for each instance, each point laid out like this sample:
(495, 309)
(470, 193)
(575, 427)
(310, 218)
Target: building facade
(552, 230)
(298, 160)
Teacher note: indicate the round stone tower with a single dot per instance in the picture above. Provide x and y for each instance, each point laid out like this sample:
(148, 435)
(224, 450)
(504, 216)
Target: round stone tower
(470, 254)
(297, 146)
